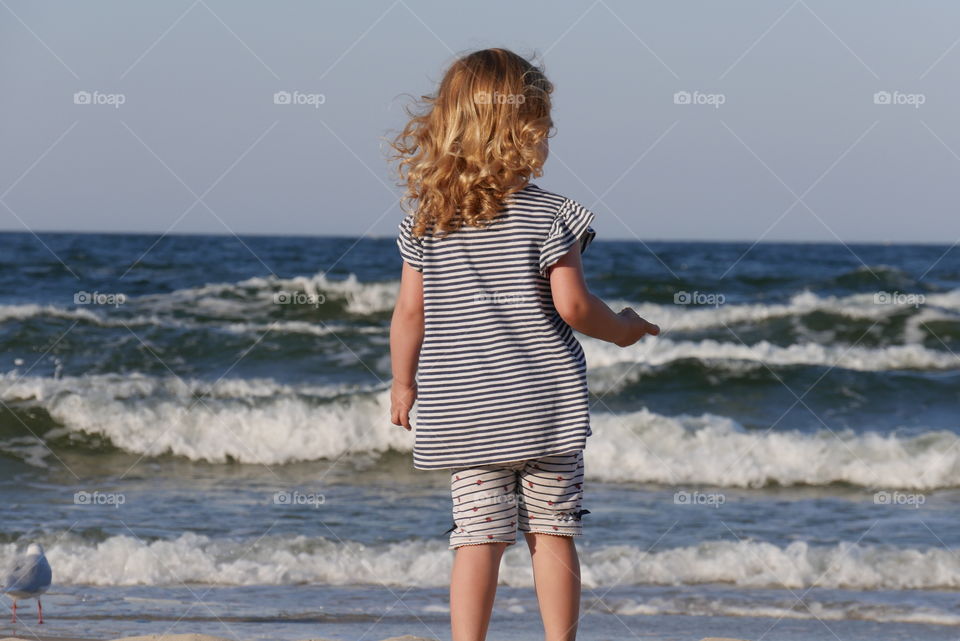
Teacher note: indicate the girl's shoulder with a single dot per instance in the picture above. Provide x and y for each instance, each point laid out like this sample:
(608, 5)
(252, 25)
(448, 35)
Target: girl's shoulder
(550, 203)
(534, 198)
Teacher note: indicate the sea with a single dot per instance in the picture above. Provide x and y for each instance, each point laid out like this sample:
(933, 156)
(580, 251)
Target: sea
(196, 428)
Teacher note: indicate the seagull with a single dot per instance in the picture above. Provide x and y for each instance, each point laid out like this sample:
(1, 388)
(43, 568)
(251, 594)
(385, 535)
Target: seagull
(29, 578)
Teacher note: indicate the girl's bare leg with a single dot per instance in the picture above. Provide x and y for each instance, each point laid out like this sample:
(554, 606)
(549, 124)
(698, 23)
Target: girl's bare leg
(556, 573)
(473, 587)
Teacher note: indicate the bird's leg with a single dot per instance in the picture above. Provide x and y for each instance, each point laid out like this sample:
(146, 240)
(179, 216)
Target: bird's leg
(39, 612)
(14, 619)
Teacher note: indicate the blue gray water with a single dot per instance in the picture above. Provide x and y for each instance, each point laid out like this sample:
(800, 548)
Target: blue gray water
(196, 429)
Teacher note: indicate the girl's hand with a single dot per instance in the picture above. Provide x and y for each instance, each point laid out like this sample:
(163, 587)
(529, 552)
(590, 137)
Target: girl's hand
(402, 398)
(637, 328)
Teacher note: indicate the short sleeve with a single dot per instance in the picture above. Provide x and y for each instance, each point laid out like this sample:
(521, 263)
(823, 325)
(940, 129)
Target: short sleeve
(411, 247)
(571, 224)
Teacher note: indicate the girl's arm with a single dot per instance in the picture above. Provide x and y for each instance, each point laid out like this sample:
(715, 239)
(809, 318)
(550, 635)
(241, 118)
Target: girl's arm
(406, 337)
(585, 312)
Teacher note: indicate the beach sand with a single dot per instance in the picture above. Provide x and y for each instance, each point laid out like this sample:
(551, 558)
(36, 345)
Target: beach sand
(180, 637)
(206, 637)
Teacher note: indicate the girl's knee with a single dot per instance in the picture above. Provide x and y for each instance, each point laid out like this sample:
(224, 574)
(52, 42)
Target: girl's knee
(546, 540)
(487, 547)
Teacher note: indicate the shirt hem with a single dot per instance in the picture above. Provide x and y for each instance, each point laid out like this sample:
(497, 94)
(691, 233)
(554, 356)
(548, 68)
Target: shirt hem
(495, 460)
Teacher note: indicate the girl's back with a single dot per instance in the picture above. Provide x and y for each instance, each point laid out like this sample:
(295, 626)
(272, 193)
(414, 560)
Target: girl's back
(501, 376)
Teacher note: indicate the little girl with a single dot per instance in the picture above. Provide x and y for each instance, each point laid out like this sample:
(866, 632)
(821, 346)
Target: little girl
(490, 291)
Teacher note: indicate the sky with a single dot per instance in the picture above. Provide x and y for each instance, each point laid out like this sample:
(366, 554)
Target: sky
(759, 121)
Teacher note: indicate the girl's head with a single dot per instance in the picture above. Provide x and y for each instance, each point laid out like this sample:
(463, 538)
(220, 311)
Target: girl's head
(478, 139)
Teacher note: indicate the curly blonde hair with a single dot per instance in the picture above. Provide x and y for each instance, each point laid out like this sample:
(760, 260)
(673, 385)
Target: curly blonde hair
(478, 139)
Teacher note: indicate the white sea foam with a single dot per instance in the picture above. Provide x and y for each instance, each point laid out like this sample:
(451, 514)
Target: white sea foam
(236, 298)
(279, 560)
(360, 297)
(657, 351)
(790, 608)
(227, 302)
(855, 306)
(101, 319)
(714, 450)
(262, 421)
(30, 310)
(696, 317)
(251, 421)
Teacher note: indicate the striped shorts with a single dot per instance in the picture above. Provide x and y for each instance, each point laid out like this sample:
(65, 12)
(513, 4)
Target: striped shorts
(491, 502)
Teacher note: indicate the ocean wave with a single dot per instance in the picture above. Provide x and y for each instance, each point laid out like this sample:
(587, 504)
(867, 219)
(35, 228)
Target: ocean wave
(225, 306)
(854, 306)
(657, 351)
(789, 608)
(244, 420)
(713, 450)
(262, 421)
(31, 310)
(234, 298)
(281, 560)
(239, 300)
(649, 353)
(314, 328)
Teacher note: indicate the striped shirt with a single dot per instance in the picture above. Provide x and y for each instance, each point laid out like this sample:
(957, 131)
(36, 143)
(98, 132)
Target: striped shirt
(501, 376)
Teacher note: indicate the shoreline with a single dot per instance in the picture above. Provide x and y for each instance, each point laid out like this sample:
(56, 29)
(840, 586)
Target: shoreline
(206, 637)
(183, 637)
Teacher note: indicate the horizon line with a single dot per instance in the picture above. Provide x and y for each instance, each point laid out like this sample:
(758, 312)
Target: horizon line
(770, 241)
